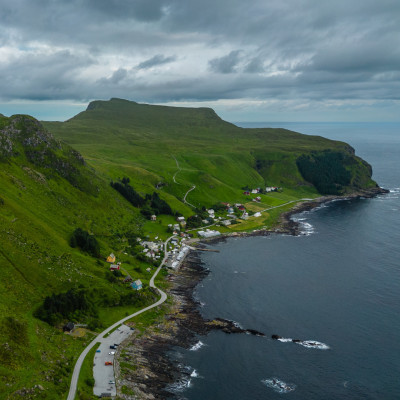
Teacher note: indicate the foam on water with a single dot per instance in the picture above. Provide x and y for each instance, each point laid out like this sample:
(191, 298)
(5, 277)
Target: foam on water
(197, 346)
(278, 385)
(309, 344)
(312, 344)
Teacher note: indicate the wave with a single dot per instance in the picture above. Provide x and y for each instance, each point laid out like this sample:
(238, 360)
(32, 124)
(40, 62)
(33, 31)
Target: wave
(279, 385)
(197, 346)
(312, 344)
(309, 344)
(180, 385)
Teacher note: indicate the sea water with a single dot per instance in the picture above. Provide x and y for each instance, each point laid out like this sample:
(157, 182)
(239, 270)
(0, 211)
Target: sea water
(337, 284)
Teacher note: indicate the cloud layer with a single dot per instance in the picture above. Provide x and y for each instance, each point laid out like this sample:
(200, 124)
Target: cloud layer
(299, 51)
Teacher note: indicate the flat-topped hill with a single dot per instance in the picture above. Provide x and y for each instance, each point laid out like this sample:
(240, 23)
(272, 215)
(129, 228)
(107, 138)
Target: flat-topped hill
(151, 143)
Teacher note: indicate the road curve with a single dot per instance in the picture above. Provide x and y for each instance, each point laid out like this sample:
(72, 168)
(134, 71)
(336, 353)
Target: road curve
(79, 362)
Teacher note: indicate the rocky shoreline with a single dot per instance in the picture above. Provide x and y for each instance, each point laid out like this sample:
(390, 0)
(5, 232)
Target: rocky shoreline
(153, 374)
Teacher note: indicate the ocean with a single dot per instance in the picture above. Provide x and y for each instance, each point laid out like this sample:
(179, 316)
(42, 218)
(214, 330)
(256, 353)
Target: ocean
(337, 284)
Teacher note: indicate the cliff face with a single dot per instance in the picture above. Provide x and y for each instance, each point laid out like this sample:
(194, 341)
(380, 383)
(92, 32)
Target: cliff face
(24, 140)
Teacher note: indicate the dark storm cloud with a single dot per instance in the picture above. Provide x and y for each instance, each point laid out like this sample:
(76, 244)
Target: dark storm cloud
(226, 64)
(299, 49)
(158, 59)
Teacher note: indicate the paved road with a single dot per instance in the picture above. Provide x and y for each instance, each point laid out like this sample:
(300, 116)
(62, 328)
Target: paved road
(100, 338)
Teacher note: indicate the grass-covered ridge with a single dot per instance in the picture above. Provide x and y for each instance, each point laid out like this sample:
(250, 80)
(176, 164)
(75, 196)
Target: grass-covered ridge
(145, 142)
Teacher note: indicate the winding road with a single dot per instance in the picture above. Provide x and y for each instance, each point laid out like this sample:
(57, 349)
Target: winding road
(98, 338)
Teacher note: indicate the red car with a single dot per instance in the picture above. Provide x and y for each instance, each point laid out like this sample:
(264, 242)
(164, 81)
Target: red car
(108, 363)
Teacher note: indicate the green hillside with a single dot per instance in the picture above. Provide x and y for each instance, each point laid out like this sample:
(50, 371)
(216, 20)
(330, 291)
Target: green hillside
(145, 142)
(48, 191)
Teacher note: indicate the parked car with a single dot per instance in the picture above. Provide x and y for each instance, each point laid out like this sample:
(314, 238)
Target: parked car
(112, 382)
(98, 351)
(111, 353)
(113, 347)
(108, 363)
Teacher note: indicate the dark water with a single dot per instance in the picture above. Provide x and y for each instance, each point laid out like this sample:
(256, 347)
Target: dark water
(338, 284)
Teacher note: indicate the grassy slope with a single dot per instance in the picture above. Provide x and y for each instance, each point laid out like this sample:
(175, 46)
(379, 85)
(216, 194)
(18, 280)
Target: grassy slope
(119, 137)
(38, 212)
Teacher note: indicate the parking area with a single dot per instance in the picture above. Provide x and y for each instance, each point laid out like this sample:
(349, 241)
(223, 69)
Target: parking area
(104, 374)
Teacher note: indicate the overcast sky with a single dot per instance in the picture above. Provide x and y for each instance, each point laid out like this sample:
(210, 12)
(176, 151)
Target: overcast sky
(261, 60)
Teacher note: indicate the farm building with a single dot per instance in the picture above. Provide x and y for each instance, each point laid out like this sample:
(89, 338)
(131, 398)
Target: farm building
(114, 267)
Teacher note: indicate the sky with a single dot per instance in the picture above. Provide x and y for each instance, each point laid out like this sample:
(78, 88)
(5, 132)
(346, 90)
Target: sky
(261, 60)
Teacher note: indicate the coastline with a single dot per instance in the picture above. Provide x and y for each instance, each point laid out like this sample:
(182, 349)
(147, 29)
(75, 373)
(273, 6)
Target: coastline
(154, 372)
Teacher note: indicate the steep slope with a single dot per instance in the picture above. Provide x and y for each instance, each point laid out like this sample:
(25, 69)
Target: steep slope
(146, 142)
(47, 191)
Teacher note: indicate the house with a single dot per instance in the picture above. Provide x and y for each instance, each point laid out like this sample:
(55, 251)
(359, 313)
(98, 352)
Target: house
(153, 217)
(128, 279)
(246, 193)
(226, 222)
(258, 198)
(230, 210)
(68, 327)
(114, 267)
(254, 191)
(241, 208)
(111, 258)
(180, 219)
(137, 285)
(177, 227)
(257, 214)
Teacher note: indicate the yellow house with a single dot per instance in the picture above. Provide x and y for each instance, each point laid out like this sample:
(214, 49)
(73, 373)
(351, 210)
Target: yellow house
(111, 258)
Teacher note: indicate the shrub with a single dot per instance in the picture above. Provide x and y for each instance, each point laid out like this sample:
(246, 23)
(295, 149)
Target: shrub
(85, 241)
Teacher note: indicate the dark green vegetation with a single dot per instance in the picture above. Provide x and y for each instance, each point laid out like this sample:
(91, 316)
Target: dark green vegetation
(330, 171)
(85, 242)
(50, 192)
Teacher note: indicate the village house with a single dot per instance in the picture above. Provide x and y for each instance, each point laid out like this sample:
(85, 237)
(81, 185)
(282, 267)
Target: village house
(153, 217)
(254, 191)
(257, 214)
(114, 267)
(180, 219)
(226, 222)
(230, 210)
(137, 285)
(111, 258)
(246, 193)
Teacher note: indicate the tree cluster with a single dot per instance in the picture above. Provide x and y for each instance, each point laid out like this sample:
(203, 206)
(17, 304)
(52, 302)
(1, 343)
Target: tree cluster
(325, 170)
(73, 304)
(85, 241)
(128, 192)
(149, 205)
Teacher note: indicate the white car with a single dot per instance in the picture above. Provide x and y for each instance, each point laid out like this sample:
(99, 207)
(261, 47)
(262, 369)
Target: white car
(111, 353)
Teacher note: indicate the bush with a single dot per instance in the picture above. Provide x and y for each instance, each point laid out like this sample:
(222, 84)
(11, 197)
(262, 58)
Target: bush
(85, 241)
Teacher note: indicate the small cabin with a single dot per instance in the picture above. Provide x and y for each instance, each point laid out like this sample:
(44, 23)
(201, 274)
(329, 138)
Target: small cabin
(115, 267)
(137, 285)
(68, 327)
(153, 217)
(111, 258)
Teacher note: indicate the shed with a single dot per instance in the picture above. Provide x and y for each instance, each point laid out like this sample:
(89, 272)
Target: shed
(137, 285)
(68, 327)
(153, 217)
